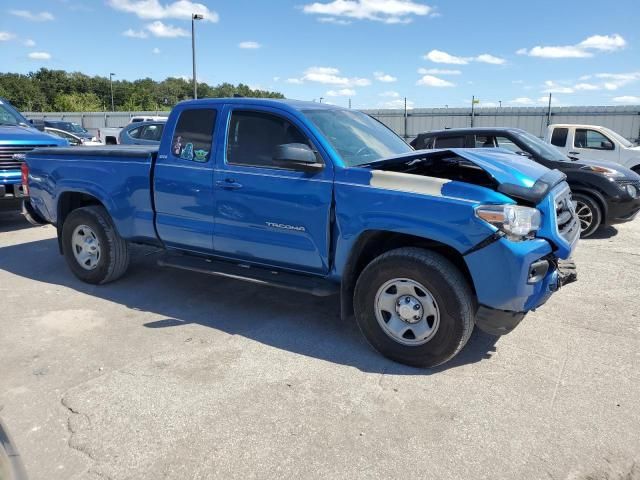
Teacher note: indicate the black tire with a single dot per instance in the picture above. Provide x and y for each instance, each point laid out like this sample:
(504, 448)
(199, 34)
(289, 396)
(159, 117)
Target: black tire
(444, 282)
(636, 169)
(113, 260)
(589, 213)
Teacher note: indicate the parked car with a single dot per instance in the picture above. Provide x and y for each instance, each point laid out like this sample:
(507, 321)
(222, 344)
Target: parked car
(604, 193)
(72, 138)
(111, 135)
(319, 199)
(17, 135)
(143, 133)
(70, 127)
(591, 142)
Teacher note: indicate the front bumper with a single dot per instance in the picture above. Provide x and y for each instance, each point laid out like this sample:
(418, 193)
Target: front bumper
(500, 322)
(622, 211)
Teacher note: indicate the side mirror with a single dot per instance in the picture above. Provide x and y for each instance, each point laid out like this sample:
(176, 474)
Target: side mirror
(522, 153)
(297, 156)
(606, 145)
(37, 123)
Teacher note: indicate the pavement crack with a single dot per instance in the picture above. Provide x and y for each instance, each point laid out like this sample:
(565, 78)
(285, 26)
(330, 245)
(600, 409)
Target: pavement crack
(560, 375)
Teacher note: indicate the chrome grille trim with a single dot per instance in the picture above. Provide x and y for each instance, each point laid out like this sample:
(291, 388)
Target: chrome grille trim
(566, 220)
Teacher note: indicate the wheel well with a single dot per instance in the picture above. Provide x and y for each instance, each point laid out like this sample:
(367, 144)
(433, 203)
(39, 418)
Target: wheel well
(68, 202)
(372, 244)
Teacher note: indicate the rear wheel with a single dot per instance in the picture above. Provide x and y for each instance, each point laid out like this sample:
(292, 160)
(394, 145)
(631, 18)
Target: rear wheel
(92, 247)
(589, 213)
(414, 307)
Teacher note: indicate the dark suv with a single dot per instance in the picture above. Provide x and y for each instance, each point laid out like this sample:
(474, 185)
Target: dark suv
(604, 193)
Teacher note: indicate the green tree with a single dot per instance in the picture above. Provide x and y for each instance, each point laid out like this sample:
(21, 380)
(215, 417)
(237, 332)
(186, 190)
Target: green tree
(77, 102)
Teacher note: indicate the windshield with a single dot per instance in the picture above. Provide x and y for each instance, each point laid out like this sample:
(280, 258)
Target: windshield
(544, 150)
(77, 128)
(358, 138)
(623, 141)
(8, 116)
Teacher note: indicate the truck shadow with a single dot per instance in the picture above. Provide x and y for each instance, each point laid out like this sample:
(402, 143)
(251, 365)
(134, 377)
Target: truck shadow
(298, 323)
(11, 220)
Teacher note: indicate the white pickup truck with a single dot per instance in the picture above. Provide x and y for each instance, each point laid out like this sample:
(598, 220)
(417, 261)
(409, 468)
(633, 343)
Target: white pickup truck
(591, 142)
(109, 135)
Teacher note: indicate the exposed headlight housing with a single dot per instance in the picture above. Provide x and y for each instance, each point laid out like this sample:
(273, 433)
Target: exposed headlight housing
(516, 221)
(609, 172)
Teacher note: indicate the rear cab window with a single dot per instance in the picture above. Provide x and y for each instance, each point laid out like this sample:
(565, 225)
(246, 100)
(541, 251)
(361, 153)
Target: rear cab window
(559, 137)
(193, 136)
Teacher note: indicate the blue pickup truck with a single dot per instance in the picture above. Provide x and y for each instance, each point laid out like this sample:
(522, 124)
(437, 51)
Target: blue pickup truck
(420, 245)
(17, 136)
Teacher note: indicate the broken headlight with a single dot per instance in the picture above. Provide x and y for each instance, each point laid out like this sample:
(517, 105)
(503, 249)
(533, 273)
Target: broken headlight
(516, 221)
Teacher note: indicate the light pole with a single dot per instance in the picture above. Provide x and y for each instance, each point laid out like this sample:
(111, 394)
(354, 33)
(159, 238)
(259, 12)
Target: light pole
(111, 75)
(194, 17)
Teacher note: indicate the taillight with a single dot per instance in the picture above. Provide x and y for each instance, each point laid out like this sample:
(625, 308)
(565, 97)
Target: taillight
(25, 177)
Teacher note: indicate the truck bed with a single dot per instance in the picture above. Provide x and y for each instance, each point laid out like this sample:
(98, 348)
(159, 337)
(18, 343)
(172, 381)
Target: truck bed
(107, 151)
(117, 176)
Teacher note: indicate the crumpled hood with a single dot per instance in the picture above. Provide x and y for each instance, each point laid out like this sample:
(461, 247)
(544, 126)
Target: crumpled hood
(21, 135)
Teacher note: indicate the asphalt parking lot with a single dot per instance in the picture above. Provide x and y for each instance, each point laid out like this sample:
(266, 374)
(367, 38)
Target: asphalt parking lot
(168, 374)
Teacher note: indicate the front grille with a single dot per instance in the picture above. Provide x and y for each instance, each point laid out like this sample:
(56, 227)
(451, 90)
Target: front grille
(566, 218)
(7, 152)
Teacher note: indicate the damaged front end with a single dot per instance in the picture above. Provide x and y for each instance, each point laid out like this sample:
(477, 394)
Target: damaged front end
(527, 213)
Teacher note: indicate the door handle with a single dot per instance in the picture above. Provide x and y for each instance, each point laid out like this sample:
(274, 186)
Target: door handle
(574, 153)
(228, 184)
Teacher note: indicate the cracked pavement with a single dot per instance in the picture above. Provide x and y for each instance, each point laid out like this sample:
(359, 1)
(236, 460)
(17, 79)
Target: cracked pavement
(169, 374)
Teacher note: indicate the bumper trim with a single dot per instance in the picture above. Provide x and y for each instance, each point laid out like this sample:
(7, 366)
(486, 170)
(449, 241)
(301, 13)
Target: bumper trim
(497, 322)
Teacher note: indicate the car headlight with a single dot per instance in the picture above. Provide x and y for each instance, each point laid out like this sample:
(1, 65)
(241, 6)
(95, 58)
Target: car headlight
(516, 221)
(631, 190)
(609, 172)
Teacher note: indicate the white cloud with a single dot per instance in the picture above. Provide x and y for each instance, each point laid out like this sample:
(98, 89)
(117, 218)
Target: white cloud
(604, 42)
(154, 10)
(343, 92)
(135, 33)
(294, 81)
(6, 36)
(29, 43)
(487, 58)
(155, 51)
(389, 94)
(335, 21)
(628, 99)
(387, 11)
(438, 71)
(249, 45)
(522, 101)
(384, 77)
(397, 104)
(613, 81)
(553, 87)
(585, 87)
(330, 76)
(40, 56)
(162, 30)
(438, 56)
(431, 81)
(583, 49)
(545, 100)
(32, 16)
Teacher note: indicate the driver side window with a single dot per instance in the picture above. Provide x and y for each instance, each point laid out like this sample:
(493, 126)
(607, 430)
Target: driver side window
(504, 142)
(592, 139)
(253, 137)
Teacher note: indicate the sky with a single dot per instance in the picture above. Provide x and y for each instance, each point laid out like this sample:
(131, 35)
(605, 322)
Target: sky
(373, 53)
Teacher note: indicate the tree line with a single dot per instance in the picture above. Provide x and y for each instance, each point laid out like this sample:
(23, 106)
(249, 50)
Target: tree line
(60, 91)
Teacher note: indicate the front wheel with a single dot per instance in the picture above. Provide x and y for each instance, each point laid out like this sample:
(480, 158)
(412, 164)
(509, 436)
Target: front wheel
(589, 214)
(92, 247)
(414, 306)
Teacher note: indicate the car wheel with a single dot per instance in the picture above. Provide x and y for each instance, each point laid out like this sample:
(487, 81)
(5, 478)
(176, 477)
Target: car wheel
(414, 306)
(589, 214)
(92, 247)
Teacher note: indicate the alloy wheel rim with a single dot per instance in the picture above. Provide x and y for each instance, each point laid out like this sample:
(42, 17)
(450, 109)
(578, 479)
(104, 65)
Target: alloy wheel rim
(86, 247)
(407, 311)
(585, 215)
